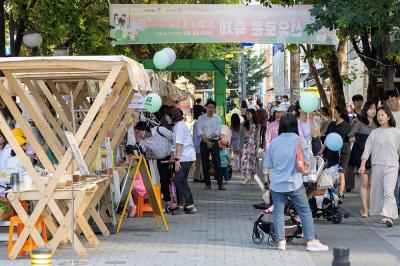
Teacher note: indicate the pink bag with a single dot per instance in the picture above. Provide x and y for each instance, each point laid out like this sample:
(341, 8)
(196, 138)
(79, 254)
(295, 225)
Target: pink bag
(138, 187)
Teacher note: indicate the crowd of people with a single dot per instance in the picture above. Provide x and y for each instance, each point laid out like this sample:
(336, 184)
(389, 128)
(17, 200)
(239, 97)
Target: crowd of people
(370, 150)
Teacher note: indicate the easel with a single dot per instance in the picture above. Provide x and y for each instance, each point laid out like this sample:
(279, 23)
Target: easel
(148, 183)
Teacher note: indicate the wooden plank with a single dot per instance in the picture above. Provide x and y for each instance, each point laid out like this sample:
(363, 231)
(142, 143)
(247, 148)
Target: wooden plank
(25, 128)
(98, 102)
(60, 112)
(121, 104)
(120, 132)
(36, 116)
(46, 111)
(64, 228)
(104, 114)
(78, 89)
(65, 107)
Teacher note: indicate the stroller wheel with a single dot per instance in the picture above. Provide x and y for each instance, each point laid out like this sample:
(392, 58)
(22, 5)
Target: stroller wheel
(289, 239)
(259, 239)
(272, 241)
(337, 217)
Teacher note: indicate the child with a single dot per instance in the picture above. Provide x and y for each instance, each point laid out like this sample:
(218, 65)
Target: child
(224, 155)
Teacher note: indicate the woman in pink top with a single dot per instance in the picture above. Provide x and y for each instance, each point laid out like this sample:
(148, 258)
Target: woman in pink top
(273, 127)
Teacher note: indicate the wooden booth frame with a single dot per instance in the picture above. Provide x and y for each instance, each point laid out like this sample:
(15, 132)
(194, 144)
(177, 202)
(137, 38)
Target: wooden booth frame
(49, 88)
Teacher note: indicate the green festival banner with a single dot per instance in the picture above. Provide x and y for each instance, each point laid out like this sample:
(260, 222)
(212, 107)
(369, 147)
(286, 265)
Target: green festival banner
(145, 24)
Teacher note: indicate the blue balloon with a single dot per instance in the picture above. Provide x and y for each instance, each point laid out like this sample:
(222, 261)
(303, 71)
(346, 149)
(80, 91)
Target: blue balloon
(334, 141)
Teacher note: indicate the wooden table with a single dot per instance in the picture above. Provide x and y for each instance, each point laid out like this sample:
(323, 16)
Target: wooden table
(83, 195)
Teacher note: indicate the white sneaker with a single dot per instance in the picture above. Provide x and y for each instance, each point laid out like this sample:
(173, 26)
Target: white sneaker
(315, 245)
(282, 245)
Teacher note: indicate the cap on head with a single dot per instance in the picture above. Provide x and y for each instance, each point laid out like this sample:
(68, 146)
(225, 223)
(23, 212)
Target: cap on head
(21, 140)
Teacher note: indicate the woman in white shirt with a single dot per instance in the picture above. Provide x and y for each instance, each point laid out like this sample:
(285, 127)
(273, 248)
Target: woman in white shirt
(383, 144)
(184, 156)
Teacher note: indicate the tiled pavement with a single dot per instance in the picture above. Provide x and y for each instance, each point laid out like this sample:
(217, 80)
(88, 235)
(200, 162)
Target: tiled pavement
(220, 234)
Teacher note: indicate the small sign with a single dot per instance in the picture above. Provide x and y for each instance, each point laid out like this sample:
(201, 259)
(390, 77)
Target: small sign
(137, 101)
(83, 169)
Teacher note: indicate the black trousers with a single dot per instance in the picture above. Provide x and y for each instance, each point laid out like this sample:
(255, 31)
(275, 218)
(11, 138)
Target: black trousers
(165, 177)
(216, 160)
(263, 130)
(183, 192)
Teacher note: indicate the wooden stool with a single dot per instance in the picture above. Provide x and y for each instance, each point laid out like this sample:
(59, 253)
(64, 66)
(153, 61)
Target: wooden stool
(29, 244)
(142, 207)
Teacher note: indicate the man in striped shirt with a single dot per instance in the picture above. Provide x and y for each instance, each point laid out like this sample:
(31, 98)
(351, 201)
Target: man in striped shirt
(156, 142)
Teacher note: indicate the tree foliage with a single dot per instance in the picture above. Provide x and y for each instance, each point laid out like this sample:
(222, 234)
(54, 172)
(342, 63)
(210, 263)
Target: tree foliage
(372, 27)
(83, 26)
(256, 70)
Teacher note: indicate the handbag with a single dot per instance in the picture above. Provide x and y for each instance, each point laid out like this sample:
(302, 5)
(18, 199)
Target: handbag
(327, 177)
(299, 157)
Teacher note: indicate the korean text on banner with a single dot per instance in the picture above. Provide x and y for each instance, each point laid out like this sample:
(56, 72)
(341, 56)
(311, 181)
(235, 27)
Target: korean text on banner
(143, 24)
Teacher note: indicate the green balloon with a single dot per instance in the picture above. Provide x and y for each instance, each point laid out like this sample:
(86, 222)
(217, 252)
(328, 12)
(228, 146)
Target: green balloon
(152, 102)
(309, 102)
(161, 60)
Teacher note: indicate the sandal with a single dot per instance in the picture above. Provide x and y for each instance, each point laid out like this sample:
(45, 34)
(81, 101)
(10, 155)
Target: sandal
(389, 222)
(364, 215)
(383, 221)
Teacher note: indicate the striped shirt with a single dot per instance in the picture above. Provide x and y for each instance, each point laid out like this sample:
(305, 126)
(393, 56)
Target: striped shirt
(159, 145)
(209, 125)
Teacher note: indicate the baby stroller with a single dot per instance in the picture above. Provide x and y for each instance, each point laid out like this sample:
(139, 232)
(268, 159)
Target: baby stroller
(325, 204)
(264, 226)
(293, 227)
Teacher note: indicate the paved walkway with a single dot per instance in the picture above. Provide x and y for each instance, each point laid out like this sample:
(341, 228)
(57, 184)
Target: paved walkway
(220, 234)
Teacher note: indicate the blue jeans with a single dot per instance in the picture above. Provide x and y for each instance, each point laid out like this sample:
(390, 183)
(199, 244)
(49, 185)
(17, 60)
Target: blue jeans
(225, 173)
(300, 202)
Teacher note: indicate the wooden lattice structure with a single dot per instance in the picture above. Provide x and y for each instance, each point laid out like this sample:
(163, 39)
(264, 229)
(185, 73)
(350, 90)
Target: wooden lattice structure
(49, 89)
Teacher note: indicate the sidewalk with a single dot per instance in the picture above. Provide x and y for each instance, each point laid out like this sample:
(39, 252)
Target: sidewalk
(220, 234)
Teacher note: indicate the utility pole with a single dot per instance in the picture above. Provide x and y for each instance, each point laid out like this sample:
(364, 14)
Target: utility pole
(242, 76)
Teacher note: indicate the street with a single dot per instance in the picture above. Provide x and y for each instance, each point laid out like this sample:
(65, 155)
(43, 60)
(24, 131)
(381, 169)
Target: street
(220, 234)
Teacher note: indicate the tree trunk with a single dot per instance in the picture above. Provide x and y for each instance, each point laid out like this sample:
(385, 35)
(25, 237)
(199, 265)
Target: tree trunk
(294, 75)
(2, 30)
(331, 63)
(314, 73)
(375, 92)
(387, 68)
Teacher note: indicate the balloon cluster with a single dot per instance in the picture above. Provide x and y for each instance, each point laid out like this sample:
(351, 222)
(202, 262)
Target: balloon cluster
(164, 58)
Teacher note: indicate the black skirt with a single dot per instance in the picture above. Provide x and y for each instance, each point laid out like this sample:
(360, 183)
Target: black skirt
(357, 151)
